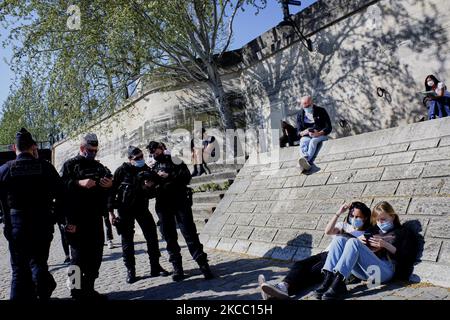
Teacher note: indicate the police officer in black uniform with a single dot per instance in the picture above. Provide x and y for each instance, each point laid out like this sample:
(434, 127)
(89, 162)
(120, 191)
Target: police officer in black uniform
(173, 206)
(28, 189)
(130, 195)
(87, 185)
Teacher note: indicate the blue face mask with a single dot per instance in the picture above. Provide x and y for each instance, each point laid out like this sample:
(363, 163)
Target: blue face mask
(308, 110)
(356, 222)
(385, 227)
(139, 163)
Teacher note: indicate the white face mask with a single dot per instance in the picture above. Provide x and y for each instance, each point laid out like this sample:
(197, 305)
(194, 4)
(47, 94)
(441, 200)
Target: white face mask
(430, 83)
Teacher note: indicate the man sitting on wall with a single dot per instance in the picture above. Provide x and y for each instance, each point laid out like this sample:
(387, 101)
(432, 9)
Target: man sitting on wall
(314, 126)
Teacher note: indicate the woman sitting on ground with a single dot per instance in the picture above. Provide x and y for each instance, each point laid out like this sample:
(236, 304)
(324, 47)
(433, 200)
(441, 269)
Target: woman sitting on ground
(390, 246)
(307, 272)
(438, 99)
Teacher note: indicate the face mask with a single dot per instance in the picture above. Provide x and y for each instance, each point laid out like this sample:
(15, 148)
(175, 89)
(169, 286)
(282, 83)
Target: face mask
(385, 226)
(357, 222)
(89, 155)
(158, 158)
(308, 110)
(430, 83)
(139, 163)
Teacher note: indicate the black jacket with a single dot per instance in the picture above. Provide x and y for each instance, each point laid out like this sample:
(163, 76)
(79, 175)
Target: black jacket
(407, 244)
(30, 185)
(321, 120)
(175, 185)
(81, 204)
(128, 188)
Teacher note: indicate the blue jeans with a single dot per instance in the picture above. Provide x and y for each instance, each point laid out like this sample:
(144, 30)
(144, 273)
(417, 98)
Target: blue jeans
(437, 109)
(351, 256)
(308, 146)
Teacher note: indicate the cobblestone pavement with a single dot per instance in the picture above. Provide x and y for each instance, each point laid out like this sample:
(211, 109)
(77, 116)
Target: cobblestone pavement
(237, 278)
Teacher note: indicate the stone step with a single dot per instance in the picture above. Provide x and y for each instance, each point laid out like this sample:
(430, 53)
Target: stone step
(214, 176)
(216, 185)
(211, 197)
(216, 167)
(220, 167)
(203, 209)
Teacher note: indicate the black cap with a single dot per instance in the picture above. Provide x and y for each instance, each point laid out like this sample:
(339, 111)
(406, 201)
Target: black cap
(152, 146)
(90, 139)
(24, 140)
(133, 151)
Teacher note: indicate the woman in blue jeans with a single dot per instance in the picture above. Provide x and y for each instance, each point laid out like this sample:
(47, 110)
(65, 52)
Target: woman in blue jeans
(390, 250)
(307, 272)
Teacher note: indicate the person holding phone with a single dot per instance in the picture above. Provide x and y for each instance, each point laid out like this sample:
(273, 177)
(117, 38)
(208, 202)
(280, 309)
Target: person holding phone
(438, 101)
(314, 126)
(307, 272)
(390, 247)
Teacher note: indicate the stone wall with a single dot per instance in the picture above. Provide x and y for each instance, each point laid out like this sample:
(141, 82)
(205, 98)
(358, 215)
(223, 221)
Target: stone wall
(388, 44)
(359, 45)
(273, 210)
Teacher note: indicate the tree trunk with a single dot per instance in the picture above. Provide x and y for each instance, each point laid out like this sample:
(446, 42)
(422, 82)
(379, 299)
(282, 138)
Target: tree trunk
(220, 101)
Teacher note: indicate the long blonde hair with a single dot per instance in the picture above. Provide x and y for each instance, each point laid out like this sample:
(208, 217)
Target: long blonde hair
(385, 207)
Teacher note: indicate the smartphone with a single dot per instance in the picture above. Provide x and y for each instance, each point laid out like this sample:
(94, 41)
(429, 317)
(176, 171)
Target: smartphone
(367, 235)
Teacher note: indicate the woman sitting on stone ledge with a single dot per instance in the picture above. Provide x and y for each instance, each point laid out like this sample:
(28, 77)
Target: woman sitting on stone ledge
(388, 251)
(437, 99)
(307, 272)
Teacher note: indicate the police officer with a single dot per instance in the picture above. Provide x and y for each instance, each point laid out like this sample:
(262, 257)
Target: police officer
(173, 205)
(130, 195)
(28, 188)
(88, 184)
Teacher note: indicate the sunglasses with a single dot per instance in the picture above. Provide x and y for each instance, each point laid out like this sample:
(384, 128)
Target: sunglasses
(140, 157)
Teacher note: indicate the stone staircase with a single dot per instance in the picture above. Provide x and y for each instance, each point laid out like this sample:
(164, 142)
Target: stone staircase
(273, 210)
(209, 190)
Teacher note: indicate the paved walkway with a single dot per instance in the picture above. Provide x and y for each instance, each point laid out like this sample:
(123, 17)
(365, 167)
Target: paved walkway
(237, 278)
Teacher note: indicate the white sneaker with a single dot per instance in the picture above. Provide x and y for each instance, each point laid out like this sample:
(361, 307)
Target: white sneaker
(261, 282)
(278, 291)
(304, 164)
(110, 244)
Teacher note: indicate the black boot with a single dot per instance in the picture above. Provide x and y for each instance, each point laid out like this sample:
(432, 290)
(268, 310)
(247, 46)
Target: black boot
(206, 270)
(202, 170)
(178, 272)
(337, 290)
(205, 166)
(157, 271)
(131, 275)
(329, 276)
(195, 172)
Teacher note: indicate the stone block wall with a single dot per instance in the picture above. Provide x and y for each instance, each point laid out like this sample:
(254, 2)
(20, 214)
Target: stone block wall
(273, 210)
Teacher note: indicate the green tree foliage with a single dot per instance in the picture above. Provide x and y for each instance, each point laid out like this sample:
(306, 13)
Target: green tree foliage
(83, 73)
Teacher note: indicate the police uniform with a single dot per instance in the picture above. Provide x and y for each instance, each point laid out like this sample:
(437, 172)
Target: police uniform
(174, 206)
(28, 188)
(85, 208)
(131, 199)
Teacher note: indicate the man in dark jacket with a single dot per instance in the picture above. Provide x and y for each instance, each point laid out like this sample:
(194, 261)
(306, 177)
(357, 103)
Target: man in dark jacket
(173, 206)
(314, 126)
(87, 186)
(28, 189)
(130, 197)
